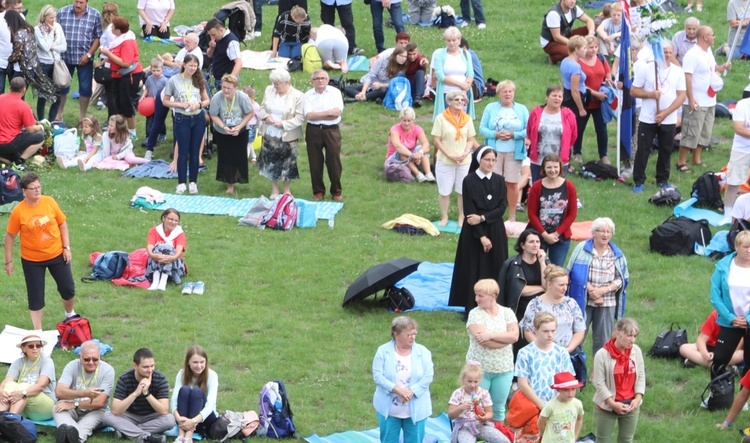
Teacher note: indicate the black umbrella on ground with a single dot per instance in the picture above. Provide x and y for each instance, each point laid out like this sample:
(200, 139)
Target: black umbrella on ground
(379, 277)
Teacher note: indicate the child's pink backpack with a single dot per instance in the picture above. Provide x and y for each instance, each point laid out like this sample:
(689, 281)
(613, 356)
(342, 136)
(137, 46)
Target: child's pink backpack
(282, 215)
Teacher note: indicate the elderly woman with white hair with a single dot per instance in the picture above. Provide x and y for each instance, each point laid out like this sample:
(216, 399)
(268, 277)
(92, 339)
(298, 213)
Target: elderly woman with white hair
(403, 371)
(281, 119)
(453, 71)
(598, 280)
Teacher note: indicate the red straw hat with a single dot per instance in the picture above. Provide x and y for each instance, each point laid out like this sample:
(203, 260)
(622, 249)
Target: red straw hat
(566, 380)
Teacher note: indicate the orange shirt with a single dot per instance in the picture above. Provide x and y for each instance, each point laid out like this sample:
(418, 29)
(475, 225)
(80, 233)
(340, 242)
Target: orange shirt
(39, 227)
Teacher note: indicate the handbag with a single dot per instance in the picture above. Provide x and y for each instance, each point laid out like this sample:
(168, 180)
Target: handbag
(102, 74)
(60, 75)
(668, 342)
(720, 391)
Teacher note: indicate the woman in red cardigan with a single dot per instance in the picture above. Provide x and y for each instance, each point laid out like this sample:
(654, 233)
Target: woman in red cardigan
(553, 206)
(551, 129)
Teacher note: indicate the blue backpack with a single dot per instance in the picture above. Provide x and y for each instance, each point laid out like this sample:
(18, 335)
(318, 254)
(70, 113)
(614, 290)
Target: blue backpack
(274, 412)
(398, 96)
(108, 266)
(17, 429)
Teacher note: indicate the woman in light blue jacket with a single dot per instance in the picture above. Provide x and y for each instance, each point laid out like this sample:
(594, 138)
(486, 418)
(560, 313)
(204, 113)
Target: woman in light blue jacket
(453, 71)
(402, 370)
(504, 128)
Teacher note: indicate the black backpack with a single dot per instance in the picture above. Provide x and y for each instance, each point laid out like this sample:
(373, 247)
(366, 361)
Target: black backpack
(667, 196)
(738, 225)
(599, 170)
(707, 191)
(398, 299)
(667, 343)
(721, 391)
(17, 429)
(678, 236)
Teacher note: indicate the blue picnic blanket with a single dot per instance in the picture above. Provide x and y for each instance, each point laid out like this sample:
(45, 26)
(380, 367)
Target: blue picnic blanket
(430, 285)
(155, 169)
(686, 209)
(437, 429)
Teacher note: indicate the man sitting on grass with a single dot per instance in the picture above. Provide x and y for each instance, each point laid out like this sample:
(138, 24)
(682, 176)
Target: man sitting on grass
(17, 146)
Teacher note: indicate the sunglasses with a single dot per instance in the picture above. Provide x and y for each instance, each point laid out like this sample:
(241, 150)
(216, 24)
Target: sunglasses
(35, 346)
(91, 359)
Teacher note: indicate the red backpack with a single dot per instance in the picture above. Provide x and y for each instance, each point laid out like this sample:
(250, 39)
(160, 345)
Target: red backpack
(282, 214)
(73, 331)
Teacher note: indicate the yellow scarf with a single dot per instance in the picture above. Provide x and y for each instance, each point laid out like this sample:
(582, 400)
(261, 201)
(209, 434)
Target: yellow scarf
(463, 119)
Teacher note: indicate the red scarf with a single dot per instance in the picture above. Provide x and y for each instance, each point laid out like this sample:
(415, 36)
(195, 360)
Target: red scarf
(624, 371)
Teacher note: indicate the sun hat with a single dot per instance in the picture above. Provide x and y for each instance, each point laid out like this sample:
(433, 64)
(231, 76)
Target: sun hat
(566, 380)
(31, 338)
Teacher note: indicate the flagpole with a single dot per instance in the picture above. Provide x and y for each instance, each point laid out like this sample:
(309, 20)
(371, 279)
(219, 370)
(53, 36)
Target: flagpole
(736, 37)
(619, 129)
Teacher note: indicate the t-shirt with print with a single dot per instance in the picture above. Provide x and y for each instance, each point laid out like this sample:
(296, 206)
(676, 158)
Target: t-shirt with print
(702, 65)
(75, 377)
(540, 367)
(552, 205)
(24, 370)
(671, 81)
(231, 112)
(399, 409)
(568, 314)
(182, 90)
(459, 397)
(550, 135)
(39, 227)
(409, 139)
(742, 114)
(127, 384)
(561, 420)
(495, 361)
(506, 119)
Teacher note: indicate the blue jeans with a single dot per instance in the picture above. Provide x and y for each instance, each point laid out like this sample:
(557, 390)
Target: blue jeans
(85, 75)
(559, 251)
(599, 126)
(41, 103)
(417, 85)
(290, 49)
(390, 429)
(376, 8)
(188, 132)
(466, 6)
(158, 126)
(190, 402)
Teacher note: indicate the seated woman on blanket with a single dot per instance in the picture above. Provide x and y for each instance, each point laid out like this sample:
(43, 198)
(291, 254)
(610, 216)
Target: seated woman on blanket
(29, 386)
(408, 145)
(166, 248)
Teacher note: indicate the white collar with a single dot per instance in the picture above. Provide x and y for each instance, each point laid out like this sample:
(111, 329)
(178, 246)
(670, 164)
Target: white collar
(482, 174)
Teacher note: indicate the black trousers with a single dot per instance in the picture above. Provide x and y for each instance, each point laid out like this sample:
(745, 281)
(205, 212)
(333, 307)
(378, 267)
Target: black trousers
(646, 134)
(726, 344)
(346, 17)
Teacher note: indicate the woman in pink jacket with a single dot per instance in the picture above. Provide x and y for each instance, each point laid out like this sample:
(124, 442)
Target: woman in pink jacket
(552, 129)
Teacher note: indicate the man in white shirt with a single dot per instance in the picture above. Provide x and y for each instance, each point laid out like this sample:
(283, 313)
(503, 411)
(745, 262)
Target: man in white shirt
(739, 159)
(702, 82)
(667, 87)
(557, 28)
(322, 107)
(191, 47)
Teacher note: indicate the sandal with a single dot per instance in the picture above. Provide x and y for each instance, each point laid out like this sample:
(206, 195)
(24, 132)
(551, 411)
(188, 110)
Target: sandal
(683, 168)
(700, 165)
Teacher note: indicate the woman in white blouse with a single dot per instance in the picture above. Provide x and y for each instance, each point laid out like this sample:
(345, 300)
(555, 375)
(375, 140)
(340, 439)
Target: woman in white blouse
(50, 43)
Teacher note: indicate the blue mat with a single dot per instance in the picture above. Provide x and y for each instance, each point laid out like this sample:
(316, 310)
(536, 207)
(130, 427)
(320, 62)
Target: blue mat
(437, 429)
(358, 63)
(430, 285)
(450, 228)
(51, 423)
(686, 209)
(212, 205)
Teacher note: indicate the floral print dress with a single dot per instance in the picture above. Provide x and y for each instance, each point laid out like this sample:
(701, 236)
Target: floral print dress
(25, 53)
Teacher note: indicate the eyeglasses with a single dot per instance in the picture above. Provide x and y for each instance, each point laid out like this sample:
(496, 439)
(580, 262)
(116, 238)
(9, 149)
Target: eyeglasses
(460, 100)
(317, 79)
(35, 346)
(35, 188)
(412, 335)
(91, 359)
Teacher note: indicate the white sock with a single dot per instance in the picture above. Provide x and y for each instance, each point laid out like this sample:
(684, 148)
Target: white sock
(155, 282)
(163, 282)
(70, 314)
(132, 132)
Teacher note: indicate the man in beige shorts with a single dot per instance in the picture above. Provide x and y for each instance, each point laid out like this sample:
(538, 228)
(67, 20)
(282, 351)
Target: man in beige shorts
(739, 159)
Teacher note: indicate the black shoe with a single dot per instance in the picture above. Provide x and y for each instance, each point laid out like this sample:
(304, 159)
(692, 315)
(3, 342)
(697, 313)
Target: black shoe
(61, 434)
(144, 144)
(417, 103)
(350, 100)
(72, 435)
(155, 438)
(379, 101)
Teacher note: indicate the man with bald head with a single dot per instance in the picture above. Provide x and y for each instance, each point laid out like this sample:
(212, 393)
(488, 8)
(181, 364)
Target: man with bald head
(82, 395)
(685, 39)
(702, 84)
(191, 47)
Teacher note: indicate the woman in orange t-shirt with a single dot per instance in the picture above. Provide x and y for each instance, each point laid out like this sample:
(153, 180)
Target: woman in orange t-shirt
(45, 244)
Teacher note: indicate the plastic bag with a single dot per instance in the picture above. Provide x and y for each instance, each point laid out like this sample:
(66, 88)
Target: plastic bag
(66, 144)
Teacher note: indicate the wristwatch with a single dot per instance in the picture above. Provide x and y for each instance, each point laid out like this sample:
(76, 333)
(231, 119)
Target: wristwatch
(88, 55)
(67, 248)
(75, 404)
(23, 393)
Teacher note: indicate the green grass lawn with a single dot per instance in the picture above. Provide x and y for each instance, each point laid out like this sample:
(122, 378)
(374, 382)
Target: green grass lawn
(272, 306)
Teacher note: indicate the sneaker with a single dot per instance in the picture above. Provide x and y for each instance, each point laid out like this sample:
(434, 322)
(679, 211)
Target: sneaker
(193, 188)
(688, 364)
(579, 203)
(187, 288)
(61, 434)
(665, 185)
(100, 105)
(161, 138)
(421, 178)
(577, 158)
(638, 188)
(198, 288)
(482, 26)
(358, 51)
(144, 144)
(21, 166)
(155, 439)
(181, 188)
(688, 9)
(72, 435)
(148, 155)
(520, 207)
(416, 103)
(81, 165)
(61, 162)
(118, 435)
(257, 33)
(605, 161)
(463, 24)
(429, 177)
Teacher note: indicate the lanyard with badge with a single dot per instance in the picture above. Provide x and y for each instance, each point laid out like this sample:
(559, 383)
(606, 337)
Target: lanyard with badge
(230, 119)
(25, 372)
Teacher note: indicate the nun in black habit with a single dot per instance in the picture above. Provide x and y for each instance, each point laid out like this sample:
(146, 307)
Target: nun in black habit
(483, 244)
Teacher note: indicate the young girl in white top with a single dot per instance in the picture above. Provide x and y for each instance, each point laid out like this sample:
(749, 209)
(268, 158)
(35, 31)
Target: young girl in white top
(470, 408)
(118, 146)
(252, 125)
(92, 143)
